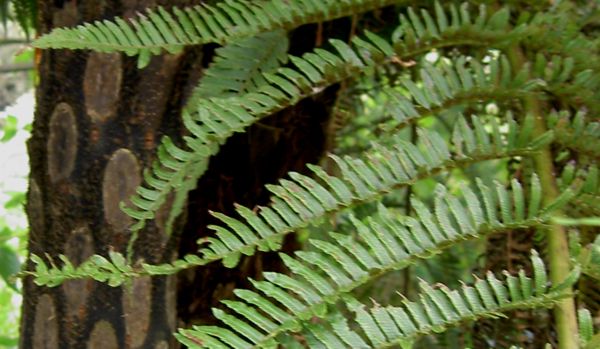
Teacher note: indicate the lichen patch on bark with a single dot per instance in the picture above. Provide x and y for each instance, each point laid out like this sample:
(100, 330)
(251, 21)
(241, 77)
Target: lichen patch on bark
(62, 142)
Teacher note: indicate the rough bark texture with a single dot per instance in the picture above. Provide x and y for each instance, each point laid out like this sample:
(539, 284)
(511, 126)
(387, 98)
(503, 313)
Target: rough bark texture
(97, 124)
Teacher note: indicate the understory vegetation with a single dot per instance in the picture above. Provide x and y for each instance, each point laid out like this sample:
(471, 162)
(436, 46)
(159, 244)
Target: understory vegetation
(461, 185)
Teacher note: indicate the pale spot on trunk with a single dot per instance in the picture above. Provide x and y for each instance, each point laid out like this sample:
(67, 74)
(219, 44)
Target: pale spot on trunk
(62, 143)
(103, 336)
(136, 308)
(121, 178)
(35, 209)
(162, 345)
(171, 301)
(45, 330)
(102, 85)
(68, 16)
(79, 247)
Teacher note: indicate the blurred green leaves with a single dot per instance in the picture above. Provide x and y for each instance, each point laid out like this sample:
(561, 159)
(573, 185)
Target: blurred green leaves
(9, 127)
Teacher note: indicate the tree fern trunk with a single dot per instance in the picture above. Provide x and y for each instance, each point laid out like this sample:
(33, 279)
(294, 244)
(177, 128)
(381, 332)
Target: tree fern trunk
(97, 124)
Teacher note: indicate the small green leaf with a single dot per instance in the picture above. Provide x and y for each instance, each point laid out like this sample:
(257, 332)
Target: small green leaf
(9, 265)
(9, 126)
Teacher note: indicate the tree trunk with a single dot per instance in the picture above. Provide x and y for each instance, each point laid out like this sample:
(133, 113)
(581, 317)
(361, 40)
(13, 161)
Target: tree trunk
(97, 124)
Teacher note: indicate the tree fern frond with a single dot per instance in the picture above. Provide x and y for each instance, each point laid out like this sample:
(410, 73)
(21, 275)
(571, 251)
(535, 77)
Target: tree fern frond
(575, 132)
(25, 14)
(211, 121)
(439, 308)
(586, 326)
(237, 68)
(461, 82)
(301, 200)
(588, 200)
(578, 84)
(381, 244)
(464, 82)
(161, 30)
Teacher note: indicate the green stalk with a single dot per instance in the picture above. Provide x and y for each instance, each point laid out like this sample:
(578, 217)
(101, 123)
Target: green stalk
(565, 314)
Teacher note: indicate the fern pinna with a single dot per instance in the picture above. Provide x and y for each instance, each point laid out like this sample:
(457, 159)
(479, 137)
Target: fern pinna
(484, 57)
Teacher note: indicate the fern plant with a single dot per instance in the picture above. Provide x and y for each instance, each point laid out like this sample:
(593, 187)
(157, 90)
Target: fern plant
(545, 96)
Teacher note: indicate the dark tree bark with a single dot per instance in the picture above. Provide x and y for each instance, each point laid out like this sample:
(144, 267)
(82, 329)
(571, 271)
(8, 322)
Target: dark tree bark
(97, 124)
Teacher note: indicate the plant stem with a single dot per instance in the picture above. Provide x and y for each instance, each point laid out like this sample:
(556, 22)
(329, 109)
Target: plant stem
(558, 246)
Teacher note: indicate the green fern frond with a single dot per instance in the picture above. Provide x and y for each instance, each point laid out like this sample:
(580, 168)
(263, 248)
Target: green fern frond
(304, 196)
(237, 67)
(576, 133)
(25, 14)
(115, 270)
(301, 200)
(382, 244)
(161, 30)
(214, 120)
(588, 199)
(465, 81)
(440, 308)
(461, 82)
(576, 82)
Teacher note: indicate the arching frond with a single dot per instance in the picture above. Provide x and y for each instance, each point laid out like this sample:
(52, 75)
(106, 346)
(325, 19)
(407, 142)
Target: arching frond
(212, 121)
(577, 85)
(381, 244)
(25, 14)
(462, 82)
(439, 308)
(301, 200)
(161, 30)
(237, 67)
(576, 133)
(588, 200)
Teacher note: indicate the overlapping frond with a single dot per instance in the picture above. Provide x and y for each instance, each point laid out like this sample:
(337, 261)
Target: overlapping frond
(576, 132)
(462, 82)
(212, 121)
(237, 67)
(469, 81)
(25, 14)
(301, 200)
(439, 308)
(588, 200)
(160, 30)
(574, 81)
(382, 243)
